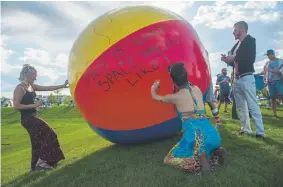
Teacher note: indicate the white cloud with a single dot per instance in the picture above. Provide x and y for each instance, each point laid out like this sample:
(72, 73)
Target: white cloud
(278, 42)
(32, 30)
(51, 73)
(6, 86)
(180, 8)
(47, 65)
(220, 3)
(42, 57)
(81, 14)
(216, 64)
(260, 5)
(75, 12)
(24, 22)
(61, 60)
(223, 16)
(258, 66)
(5, 54)
(279, 53)
(270, 17)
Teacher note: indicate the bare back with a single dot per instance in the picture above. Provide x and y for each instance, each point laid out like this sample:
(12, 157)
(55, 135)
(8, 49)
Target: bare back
(184, 100)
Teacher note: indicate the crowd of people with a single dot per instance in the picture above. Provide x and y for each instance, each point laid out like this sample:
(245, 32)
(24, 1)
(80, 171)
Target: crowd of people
(199, 149)
(242, 85)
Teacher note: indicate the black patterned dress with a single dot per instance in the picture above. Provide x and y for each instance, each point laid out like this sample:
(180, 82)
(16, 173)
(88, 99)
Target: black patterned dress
(44, 140)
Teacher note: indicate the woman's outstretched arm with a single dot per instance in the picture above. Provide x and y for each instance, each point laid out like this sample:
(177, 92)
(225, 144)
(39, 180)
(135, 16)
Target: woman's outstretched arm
(49, 88)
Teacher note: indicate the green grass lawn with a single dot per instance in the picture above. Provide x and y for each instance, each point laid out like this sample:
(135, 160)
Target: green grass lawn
(93, 161)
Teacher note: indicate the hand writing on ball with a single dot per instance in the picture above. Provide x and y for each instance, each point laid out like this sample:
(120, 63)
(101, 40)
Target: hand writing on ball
(156, 85)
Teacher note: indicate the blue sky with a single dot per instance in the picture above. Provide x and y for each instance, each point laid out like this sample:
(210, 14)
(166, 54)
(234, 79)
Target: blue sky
(42, 33)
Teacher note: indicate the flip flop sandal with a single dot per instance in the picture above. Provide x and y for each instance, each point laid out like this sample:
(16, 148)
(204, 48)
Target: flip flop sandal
(43, 166)
(40, 168)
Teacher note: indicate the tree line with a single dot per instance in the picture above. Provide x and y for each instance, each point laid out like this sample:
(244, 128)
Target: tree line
(53, 98)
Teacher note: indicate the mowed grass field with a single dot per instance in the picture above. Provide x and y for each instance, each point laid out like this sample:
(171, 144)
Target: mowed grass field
(92, 161)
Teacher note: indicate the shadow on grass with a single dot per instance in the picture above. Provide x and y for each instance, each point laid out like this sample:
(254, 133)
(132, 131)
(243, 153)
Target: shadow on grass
(268, 140)
(275, 122)
(26, 178)
(66, 109)
(250, 164)
(272, 142)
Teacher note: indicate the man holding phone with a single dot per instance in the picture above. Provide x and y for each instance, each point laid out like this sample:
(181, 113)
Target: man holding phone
(242, 60)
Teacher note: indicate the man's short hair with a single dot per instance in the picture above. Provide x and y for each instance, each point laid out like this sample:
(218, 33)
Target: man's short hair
(242, 24)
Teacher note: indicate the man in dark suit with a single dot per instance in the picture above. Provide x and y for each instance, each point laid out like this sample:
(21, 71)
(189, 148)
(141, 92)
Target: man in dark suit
(242, 58)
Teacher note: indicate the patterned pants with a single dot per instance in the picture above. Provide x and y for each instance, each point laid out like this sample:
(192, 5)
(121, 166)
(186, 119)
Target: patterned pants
(199, 136)
(44, 141)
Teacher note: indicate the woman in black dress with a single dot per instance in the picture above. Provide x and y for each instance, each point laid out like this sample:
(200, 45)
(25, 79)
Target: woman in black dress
(46, 151)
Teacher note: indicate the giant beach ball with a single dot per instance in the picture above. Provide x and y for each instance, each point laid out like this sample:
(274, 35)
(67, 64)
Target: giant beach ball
(115, 60)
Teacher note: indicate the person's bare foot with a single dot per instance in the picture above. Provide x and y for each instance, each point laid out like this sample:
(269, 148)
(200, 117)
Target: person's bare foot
(205, 167)
(222, 154)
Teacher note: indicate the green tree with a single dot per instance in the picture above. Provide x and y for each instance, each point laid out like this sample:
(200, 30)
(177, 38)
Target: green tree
(52, 98)
(58, 92)
(67, 99)
(3, 100)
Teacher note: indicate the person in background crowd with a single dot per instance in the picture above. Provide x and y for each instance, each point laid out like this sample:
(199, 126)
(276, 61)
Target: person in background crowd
(264, 73)
(224, 83)
(275, 86)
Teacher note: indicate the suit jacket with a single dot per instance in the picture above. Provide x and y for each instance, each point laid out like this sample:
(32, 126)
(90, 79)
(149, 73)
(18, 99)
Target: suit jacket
(245, 55)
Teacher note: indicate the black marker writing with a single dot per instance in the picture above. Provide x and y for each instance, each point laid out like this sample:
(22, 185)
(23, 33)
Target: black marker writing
(100, 83)
(145, 71)
(132, 83)
(154, 64)
(109, 78)
(120, 64)
(116, 74)
(118, 52)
